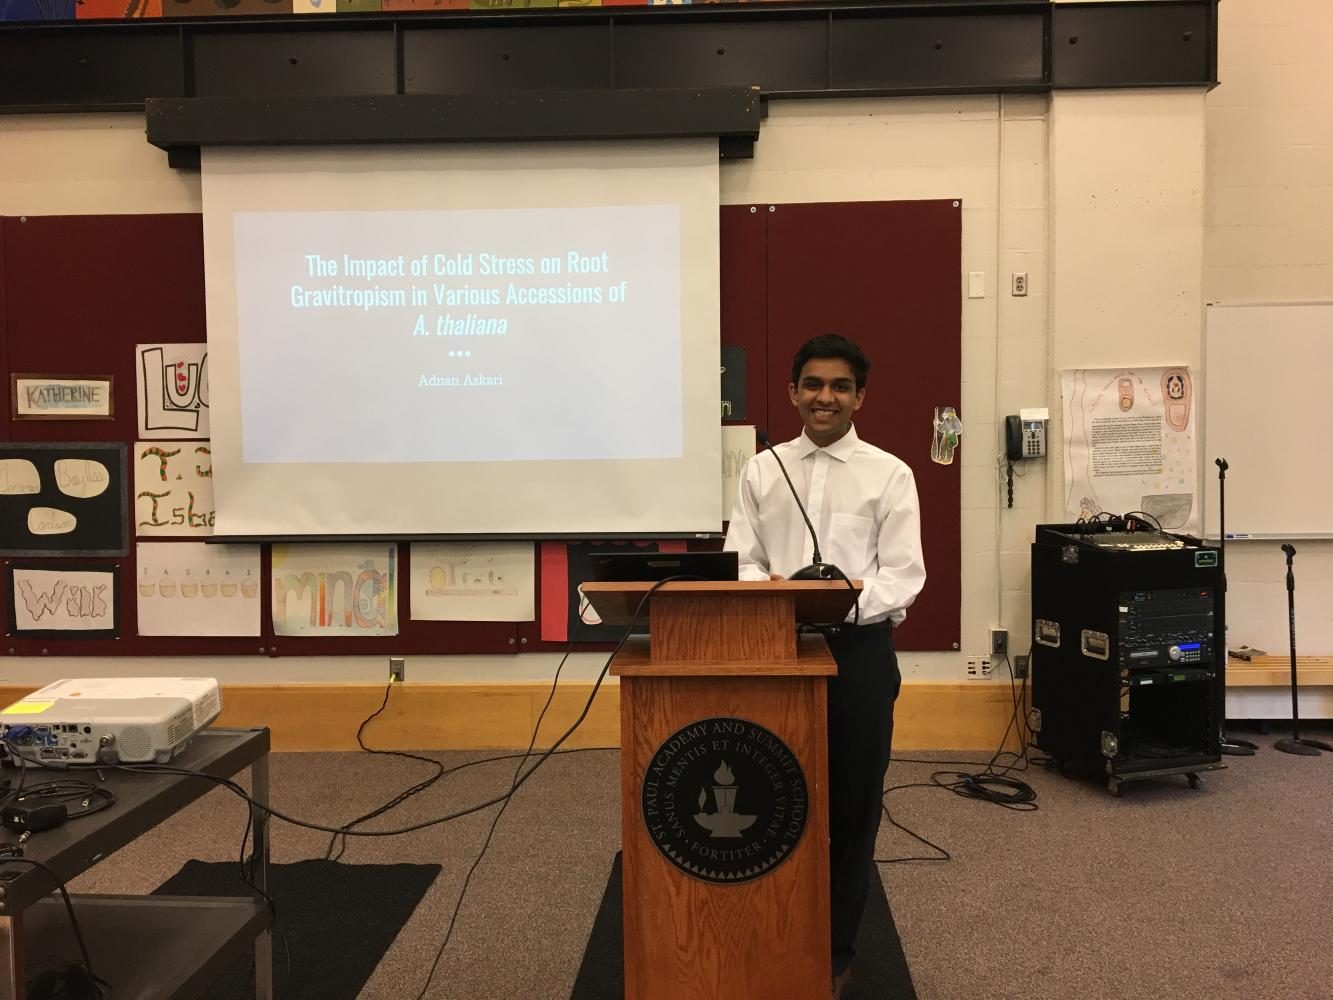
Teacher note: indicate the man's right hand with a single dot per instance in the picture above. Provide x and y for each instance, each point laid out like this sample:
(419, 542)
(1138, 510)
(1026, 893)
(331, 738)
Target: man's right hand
(776, 576)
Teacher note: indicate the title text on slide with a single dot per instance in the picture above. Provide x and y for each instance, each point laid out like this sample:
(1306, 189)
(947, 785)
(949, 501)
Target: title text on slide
(475, 293)
(454, 265)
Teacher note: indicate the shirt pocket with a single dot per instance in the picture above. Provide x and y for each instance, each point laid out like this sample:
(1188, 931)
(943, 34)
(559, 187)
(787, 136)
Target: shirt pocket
(852, 544)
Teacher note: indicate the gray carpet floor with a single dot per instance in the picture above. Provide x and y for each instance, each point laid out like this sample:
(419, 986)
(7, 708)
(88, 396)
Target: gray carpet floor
(1223, 892)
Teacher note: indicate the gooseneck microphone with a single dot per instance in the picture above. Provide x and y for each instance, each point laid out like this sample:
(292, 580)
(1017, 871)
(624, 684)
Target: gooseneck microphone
(817, 570)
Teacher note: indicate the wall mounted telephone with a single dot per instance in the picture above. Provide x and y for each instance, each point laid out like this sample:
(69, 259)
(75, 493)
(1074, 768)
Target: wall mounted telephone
(1024, 437)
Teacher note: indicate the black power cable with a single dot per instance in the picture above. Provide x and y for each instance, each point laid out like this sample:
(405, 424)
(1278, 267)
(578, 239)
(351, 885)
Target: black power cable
(992, 784)
(101, 985)
(515, 781)
(340, 840)
(542, 757)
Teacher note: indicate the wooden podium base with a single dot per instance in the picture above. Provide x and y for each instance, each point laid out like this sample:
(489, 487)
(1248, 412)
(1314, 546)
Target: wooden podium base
(724, 778)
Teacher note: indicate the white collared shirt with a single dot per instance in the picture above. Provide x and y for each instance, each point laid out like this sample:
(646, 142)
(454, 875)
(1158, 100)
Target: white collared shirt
(863, 504)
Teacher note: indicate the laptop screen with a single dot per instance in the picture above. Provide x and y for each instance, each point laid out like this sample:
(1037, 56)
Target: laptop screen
(623, 567)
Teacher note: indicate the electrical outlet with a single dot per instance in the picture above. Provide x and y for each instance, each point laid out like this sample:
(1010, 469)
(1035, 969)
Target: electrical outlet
(1020, 282)
(1020, 666)
(978, 667)
(398, 669)
(999, 641)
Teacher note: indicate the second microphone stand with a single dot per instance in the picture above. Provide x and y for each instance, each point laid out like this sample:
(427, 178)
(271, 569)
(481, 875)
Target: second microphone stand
(1230, 746)
(1304, 747)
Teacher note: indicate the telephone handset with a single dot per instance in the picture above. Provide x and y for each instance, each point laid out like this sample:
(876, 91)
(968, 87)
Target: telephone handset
(1013, 438)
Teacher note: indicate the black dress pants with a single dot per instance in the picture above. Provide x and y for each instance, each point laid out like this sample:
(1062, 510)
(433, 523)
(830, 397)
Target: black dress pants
(860, 733)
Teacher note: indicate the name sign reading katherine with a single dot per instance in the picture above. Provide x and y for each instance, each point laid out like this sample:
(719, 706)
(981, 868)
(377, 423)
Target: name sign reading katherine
(40, 397)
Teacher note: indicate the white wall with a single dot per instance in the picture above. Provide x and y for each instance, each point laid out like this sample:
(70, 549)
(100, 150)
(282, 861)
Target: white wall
(88, 165)
(1269, 238)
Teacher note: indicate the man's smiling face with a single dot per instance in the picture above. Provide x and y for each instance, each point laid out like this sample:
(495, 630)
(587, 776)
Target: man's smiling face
(826, 396)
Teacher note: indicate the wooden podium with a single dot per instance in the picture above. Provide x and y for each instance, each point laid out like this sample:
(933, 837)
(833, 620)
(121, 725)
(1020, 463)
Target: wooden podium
(724, 710)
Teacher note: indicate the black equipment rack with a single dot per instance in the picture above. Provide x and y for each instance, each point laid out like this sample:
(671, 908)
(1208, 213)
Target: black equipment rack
(1128, 671)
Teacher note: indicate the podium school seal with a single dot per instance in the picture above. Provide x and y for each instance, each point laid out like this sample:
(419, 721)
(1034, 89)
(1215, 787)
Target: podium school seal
(725, 800)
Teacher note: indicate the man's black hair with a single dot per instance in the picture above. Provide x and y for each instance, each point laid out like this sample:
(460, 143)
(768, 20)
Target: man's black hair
(832, 345)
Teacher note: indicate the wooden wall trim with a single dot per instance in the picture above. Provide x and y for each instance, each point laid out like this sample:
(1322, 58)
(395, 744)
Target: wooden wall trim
(1275, 671)
(929, 715)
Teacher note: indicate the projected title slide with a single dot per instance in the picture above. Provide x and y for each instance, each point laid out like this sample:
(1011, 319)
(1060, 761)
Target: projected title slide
(424, 322)
(452, 296)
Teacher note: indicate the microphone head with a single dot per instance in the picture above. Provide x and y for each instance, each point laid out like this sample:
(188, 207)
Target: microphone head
(1289, 549)
(762, 437)
(1221, 463)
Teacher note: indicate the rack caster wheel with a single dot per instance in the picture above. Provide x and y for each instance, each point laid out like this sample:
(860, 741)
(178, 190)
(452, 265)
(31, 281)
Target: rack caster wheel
(1194, 780)
(1116, 787)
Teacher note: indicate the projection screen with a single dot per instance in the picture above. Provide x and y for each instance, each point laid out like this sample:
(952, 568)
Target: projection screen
(498, 340)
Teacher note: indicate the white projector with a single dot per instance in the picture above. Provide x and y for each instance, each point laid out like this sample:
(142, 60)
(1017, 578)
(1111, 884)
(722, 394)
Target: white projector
(114, 720)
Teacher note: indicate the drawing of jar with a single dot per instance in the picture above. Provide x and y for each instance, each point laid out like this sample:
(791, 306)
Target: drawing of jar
(209, 587)
(228, 585)
(146, 586)
(189, 586)
(166, 586)
(249, 586)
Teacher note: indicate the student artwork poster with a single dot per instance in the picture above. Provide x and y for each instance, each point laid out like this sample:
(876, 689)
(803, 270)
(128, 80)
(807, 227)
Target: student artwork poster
(191, 588)
(328, 590)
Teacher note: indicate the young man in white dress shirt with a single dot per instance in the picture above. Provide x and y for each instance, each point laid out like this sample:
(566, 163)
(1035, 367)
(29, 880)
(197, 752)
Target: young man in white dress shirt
(862, 502)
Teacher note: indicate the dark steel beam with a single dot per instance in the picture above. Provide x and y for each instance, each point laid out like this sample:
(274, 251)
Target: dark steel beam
(836, 49)
(178, 124)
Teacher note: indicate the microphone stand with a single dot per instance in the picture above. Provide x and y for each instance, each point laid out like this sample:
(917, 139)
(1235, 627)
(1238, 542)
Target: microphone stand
(1303, 747)
(1230, 746)
(818, 569)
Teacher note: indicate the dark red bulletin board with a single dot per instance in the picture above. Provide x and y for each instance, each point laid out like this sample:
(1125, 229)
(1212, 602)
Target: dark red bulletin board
(744, 301)
(888, 275)
(83, 290)
(77, 293)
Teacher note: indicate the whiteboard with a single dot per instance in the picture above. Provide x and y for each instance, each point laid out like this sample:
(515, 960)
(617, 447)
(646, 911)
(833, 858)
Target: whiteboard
(1268, 410)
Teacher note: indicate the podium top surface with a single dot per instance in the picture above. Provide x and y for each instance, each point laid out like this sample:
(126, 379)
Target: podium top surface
(827, 601)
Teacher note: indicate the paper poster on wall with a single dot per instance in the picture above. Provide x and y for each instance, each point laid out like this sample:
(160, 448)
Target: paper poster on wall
(63, 499)
(1129, 444)
(473, 581)
(327, 590)
(172, 390)
(72, 602)
(173, 488)
(190, 588)
(737, 449)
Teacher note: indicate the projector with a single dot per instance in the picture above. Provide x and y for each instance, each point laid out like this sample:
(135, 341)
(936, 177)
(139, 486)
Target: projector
(111, 720)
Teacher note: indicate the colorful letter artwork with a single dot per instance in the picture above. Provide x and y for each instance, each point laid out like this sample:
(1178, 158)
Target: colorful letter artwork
(172, 383)
(335, 590)
(173, 488)
(79, 602)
